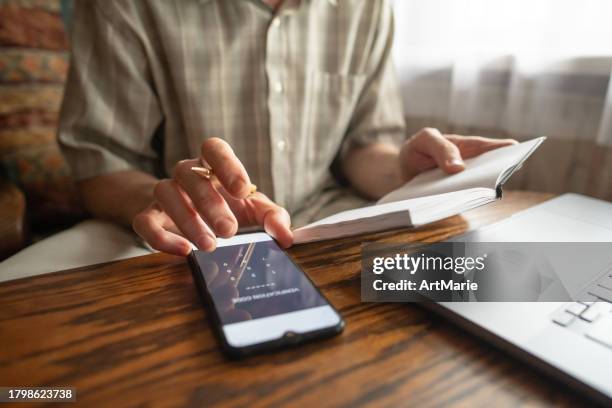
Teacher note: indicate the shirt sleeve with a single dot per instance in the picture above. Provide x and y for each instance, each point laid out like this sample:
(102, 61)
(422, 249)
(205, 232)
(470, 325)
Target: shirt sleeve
(378, 115)
(110, 111)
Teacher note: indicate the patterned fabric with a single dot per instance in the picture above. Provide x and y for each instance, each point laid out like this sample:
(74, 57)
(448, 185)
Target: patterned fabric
(52, 6)
(31, 27)
(33, 68)
(19, 65)
(289, 91)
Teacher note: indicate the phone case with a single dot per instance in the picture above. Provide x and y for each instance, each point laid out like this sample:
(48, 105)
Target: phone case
(285, 341)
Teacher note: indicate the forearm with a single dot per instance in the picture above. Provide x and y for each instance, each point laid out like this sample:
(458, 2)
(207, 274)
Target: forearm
(373, 170)
(119, 196)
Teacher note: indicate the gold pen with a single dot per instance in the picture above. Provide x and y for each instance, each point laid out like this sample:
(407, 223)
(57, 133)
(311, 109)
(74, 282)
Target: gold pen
(209, 173)
(245, 261)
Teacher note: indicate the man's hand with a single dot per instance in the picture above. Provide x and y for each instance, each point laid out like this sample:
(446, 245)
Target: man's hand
(429, 148)
(377, 169)
(188, 207)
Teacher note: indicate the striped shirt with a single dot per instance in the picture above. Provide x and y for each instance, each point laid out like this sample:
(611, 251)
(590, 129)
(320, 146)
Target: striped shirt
(290, 90)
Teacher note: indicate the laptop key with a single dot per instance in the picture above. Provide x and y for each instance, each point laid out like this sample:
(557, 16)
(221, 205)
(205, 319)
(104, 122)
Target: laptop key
(606, 282)
(601, 292)
(587, 299)
(601, 331)
(594, 311)
(575, 308)
(563, 318)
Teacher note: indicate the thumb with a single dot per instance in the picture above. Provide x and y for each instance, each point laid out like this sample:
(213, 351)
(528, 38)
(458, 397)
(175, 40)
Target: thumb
(274, 218)
(444, 152)
(277, 223)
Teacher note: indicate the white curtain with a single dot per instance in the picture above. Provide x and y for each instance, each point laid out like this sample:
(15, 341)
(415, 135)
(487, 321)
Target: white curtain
(518, 68)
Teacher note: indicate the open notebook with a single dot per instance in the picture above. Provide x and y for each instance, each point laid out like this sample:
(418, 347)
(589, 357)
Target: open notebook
(430, 196)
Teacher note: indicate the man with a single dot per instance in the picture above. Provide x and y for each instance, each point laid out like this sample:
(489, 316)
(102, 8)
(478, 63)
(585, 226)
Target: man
(298, 93)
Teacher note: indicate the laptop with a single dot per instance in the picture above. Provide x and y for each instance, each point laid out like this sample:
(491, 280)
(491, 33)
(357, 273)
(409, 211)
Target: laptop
(571, 341)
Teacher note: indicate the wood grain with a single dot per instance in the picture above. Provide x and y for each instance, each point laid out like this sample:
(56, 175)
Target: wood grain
(134, 333)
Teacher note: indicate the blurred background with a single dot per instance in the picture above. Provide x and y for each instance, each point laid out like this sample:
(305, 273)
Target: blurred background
(496, 68)
(516, 69)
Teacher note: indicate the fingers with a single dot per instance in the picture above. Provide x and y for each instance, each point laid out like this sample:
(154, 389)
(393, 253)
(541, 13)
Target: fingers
(277, 224)
(198, 209)
(174, 202)
(209, 203)
(273, 218)
(149, 226)
(449, 151)
(446, 154)
(227, 167)
(472, 146)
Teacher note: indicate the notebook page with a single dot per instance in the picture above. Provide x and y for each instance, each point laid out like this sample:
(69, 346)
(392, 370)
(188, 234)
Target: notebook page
(384, 216)
(480, 171)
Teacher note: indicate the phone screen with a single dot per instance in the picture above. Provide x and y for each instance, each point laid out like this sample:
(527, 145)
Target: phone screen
(254, 280)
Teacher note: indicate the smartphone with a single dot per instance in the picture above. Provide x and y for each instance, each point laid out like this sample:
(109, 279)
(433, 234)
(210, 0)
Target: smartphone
(258, 299)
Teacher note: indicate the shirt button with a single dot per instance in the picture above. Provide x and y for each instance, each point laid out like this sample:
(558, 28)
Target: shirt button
(278, 87)
(281, 144)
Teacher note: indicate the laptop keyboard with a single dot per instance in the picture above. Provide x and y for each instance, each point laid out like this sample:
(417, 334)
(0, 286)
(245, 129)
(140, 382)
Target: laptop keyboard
(592, 315)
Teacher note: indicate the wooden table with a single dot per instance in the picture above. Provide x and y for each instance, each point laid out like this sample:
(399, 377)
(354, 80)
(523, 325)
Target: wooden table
(134, 332)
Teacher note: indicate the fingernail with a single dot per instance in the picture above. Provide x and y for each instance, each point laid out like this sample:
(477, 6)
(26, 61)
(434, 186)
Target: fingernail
(205, 243)
(455, 162)
(224, 227)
